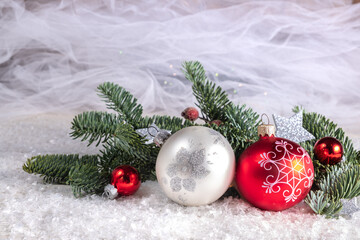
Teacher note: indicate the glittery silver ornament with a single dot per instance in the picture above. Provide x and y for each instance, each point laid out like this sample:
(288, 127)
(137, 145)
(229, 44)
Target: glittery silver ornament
(195, 166)
(153, 134)
(291, 128)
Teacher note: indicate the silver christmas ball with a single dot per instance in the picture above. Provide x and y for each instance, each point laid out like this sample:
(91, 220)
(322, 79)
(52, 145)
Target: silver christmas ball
(195, 166)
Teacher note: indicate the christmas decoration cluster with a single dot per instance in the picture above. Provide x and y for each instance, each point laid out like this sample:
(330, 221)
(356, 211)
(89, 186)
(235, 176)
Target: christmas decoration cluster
(305, 157)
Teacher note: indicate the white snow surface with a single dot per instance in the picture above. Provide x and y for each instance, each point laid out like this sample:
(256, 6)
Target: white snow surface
(30, 209)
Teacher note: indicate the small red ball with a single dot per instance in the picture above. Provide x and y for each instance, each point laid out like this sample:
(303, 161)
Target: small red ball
(126, 180)
(190, 113)
(328, 151)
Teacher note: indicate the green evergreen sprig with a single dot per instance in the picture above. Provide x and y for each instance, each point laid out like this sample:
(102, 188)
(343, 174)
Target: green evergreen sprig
(55, 168)
(212, 100)
(173, 124)
(331, 183)
(113, 156)
(342, 181)
(121, 101)
(320, 126)
(239, 122)
(321, 203)
(245, 121)
(122, 145)
(86, 179)
(94, 126)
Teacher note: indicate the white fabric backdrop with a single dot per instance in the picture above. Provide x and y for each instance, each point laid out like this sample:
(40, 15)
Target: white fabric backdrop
(271, 55)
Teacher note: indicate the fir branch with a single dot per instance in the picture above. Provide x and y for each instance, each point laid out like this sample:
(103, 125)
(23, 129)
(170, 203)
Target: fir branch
(331, 183)
(194, 72)
(244, 119)
(319, 126)
(173, 124)
(112, 157)
(322, 204)
(242, 129)
(55, 168)
(214, 103)
(94, 126)
(128, 140)
(121, 101)
(342, 181)
(86, 179)
(127, 147)
(212, 100)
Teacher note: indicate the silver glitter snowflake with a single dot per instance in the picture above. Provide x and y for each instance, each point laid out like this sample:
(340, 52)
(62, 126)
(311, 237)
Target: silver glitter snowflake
(153, 134)
(291, 128)
(188, 166)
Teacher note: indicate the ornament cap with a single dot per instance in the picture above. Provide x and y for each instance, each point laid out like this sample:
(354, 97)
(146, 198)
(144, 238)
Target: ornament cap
(110, 191)
(161, 137)
(266, 129)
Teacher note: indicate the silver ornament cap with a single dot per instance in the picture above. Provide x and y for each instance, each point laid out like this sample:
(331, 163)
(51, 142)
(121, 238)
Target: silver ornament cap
(110, 191)
(195, 166)
(161, 137)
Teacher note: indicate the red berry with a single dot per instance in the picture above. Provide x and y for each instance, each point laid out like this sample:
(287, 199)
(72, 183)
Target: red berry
(217, 122)
(190, 113)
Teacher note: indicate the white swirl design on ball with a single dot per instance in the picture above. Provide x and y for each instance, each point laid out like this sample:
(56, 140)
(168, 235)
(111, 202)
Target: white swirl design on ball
(291, 170)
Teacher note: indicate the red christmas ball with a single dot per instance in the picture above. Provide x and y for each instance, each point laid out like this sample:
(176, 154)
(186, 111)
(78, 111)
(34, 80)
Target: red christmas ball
(328, 150)
(126, 180)
(274, 173)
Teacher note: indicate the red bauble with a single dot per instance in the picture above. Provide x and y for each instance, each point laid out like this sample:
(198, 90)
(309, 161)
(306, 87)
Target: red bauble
(328, 150)
(274, 173)
(126, 180)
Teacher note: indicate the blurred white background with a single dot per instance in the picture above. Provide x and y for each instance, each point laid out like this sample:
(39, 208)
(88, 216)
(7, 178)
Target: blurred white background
(270, 55)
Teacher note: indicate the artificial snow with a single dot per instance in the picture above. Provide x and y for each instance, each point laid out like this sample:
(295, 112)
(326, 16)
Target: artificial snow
(30, 209)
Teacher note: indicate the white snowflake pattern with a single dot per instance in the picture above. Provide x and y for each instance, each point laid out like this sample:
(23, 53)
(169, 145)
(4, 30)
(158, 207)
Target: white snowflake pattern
(291, 169)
